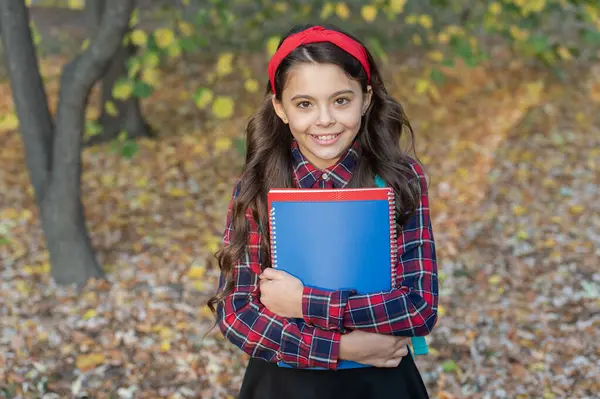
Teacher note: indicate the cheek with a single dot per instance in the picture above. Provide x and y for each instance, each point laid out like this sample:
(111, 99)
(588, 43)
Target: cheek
(351, 120)
(300, 121)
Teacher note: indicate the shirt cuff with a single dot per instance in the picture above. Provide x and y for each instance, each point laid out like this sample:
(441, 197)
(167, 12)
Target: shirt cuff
(317, 349)
(325, 309)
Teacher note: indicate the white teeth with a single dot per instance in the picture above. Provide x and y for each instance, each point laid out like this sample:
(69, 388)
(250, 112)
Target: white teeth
(328, 137)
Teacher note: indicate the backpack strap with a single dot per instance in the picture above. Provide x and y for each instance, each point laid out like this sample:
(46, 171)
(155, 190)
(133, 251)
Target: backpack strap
(419, 344)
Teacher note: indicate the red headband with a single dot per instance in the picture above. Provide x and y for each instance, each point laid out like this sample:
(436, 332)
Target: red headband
(318, 34)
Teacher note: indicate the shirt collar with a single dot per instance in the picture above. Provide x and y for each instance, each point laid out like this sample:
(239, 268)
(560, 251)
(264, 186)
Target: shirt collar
(336, 176)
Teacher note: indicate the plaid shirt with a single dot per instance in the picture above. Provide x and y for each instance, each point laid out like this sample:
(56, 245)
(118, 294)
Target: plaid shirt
(409, 310)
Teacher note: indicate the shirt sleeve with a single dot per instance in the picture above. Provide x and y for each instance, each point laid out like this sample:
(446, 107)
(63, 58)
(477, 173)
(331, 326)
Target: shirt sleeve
(408, 310)
(260, 333)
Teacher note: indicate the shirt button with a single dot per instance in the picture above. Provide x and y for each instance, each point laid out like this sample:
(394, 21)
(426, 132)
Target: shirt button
(325, 176)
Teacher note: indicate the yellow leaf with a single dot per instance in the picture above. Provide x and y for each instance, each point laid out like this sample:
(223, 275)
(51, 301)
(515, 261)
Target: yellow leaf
(422, 86)
(441, 310)
(564, 53)
(135, 17)
(436, 55)
(122, 90)
(593, 12)
(89, 314)
(518, 33)
(9, 122)
(164, 37)
(185, 28)
(495, 8)
(416, 39)
(342, 11)
(165, 346)
(139, 37)
(151, 59)
(89, 361)
(213, 243)
(272, 44)
(76, 4)
(111, 108)
(166, 332)
(223, 107)
(174, 50)
(327, 10)
(443, 38)
(397, 6)
(151, 76)
(368, 13)
(495, 279)
(280, 7)
(522, 235)
(177, 192)
(411, 19)
(107, 180)
(425, 21)
(225, 64)
(196, 272)
(577, 210)
(518, 210)
(251, 85)
(199, 285)
(222, 144)
(534, 90)
(85, 44)
(203, 98)
(26, 214)
(206, 312)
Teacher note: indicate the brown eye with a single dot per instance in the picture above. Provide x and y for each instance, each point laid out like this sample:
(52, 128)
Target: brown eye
(342, 101)
(303, 104)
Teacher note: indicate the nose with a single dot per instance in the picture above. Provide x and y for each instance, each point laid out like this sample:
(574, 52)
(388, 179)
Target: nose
(325, 117)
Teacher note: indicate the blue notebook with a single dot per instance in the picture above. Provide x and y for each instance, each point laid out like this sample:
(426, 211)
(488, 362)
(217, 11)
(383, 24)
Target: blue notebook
(328, 237)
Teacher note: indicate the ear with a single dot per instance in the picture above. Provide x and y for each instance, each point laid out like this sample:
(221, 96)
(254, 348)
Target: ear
(367, 99)
(278, 107)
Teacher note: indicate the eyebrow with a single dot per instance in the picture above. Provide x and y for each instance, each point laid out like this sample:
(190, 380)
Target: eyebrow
(337, 93)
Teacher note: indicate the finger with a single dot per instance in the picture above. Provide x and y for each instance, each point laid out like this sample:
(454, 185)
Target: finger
(272, 274)
(402, 342)
(401, 352)
(391, 363)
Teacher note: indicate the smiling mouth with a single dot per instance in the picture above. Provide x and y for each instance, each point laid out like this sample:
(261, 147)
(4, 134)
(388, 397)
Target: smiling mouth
(325, 137)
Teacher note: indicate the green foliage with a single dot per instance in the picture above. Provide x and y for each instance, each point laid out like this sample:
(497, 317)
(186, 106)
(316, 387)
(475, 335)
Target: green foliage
(225, 32)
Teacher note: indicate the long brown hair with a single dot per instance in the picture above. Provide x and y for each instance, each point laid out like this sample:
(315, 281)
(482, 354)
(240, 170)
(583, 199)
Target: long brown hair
(268, 161)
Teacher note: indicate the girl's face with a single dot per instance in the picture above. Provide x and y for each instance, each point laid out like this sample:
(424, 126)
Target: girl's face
(323, 107)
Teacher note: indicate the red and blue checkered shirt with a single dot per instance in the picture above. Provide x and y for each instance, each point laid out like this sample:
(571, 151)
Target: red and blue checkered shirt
(410, 310)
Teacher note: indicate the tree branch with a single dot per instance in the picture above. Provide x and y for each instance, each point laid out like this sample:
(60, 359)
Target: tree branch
(36, 125)
(78, 78)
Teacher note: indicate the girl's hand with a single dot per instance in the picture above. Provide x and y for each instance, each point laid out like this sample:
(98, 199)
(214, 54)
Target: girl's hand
(377, 350)
(281, 293)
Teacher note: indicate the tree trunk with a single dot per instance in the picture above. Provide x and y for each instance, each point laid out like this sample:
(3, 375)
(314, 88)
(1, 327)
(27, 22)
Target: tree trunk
(129, 114)
(53, 153)
(28, 92)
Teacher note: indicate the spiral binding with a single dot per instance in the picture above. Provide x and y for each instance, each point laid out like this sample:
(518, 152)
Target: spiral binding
(393, 236)
(273, 235)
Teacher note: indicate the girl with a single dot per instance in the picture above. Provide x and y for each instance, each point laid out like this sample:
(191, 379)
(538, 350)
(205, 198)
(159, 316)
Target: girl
(326, 122)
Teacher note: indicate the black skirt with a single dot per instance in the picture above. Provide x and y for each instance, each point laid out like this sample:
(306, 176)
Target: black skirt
(265, 380)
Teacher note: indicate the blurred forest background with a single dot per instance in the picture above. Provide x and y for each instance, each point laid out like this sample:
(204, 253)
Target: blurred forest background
(110, 211)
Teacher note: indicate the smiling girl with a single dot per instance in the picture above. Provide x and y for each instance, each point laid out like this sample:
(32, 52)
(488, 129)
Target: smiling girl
(327, 121)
